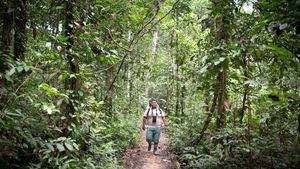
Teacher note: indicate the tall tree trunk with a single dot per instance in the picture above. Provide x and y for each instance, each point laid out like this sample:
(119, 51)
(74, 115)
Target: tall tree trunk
(299, 123)
(5, 45)
(177, 79)
(109, 76)
(154, 42)
(222, 38)
(248, 134)
(182, 99)
(221, 116)
(129, 84)
(171, 72)
(20, 28)
(7, 36)
(177, 106)
(245, 96)
(130, 76)
(207, 99)
(148, 89)
(73, 83)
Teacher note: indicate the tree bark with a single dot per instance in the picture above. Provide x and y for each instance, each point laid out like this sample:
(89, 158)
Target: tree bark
(20, 28)
(177, 107)
(221, 33)
(182, 100)
(154, 42)
(7, 36)
(5, 44)
(148, 89)
(221, 116)
(109, 75)
(177, 79)
(73, 83)
(207, 100)
(245, 96)
(244, 107)
(171, 73)
(299, 123)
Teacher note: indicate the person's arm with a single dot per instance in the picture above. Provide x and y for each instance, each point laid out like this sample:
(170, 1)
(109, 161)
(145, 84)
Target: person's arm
(145, 118)
(164, 118)
(144, 123)
(164, 121)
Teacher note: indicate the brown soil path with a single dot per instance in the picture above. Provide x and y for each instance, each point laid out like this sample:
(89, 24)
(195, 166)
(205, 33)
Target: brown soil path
(141, 158)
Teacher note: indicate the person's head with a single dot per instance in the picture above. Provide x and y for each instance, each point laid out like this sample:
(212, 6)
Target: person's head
(153, 102)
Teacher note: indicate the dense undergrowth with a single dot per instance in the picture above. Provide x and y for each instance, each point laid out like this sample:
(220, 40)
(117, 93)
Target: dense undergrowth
(263, 146)
(32, 134)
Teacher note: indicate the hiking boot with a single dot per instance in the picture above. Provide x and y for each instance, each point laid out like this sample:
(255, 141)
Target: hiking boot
(155, 149)
(149, 146)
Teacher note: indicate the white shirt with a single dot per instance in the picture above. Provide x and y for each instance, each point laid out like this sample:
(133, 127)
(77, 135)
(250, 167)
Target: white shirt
(152, 114)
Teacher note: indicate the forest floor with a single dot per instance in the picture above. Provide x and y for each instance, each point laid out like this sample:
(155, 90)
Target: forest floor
(140, 158)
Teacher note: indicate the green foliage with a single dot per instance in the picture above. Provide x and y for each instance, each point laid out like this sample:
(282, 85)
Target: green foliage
(34, 111)
(266, 135)
(113, 44)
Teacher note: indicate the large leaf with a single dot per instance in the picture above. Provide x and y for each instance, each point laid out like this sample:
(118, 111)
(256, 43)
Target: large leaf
(60, 147)
(69, 146)
(281, 52)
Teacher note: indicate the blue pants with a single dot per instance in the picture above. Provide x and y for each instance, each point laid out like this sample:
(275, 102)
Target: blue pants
(153, 134)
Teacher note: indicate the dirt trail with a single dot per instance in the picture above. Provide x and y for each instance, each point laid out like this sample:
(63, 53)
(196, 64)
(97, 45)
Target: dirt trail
(141, 158)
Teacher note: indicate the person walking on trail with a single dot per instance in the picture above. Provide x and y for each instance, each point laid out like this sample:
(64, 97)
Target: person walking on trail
(154, 119)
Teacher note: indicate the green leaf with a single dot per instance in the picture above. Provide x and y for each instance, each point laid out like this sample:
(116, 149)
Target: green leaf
(69, 146)
(11, 71)
(59, 7)
(114, 52)
(61, 139)
(76, 146)
(49, 110)
(281, 52)
(61, 38)
(80, 93)
(20, 68)
(26, 68)
(50, 146)
(220, 60)
(15, 113)
(60, 147)
(252, 83)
